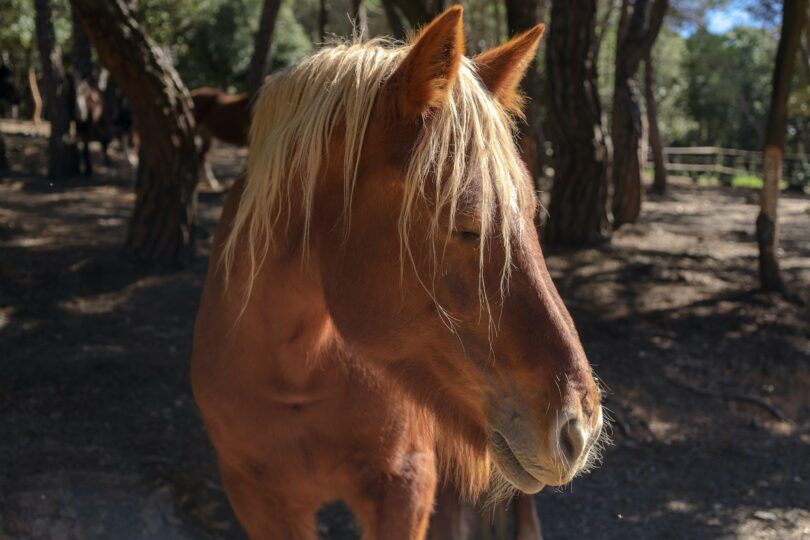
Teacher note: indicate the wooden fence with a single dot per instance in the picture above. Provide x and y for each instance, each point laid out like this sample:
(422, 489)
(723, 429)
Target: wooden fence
(726, 163)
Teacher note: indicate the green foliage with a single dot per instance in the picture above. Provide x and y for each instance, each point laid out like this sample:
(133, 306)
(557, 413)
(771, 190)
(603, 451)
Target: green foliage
(211, 41)
(217, 45)
(745, 181)
(728, 86)
(17, 34)
(670, 88)
(17, 30)
(710, 89)
(290, 40)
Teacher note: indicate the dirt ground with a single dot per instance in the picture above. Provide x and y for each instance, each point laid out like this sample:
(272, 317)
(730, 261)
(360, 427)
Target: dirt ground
(708, 380)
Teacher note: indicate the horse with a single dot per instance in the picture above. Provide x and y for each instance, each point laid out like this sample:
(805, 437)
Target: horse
(222, 116)
(117, 117)
(89, 118)
(377, 317)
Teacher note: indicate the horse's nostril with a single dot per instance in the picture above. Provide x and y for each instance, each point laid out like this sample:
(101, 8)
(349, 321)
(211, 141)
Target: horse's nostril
(572, 440)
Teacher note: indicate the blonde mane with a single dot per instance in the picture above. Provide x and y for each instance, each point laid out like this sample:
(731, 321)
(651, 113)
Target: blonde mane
(469, 139)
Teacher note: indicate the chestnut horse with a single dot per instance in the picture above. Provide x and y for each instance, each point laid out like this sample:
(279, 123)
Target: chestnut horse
(222, 116)
(377, 312)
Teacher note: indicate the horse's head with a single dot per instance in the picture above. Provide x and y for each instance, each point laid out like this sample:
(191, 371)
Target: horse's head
(8, 88)
(441, 276)
(419, 219)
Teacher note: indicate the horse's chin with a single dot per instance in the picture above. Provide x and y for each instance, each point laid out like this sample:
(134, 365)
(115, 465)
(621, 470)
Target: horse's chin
(510, 467)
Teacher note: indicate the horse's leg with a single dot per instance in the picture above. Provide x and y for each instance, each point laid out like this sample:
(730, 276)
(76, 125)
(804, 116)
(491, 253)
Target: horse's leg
(458, 520)
(398, 506)
(132, 143)
(528, 522)
(208, 170)
(213, 183)
(124, 140)
(88, 163)
(105, 144)
(135, 153)
(267, 515)
(452, 519)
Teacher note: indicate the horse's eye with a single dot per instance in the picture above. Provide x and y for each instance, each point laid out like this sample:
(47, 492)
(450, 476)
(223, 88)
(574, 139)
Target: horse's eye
(469, 236)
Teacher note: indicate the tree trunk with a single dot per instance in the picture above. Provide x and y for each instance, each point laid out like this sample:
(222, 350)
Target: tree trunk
(522, 15)
(417, 13)
(656, 144)
(162, 227)
(3, 158)
(36, 97)
(63, 155)
(260, 62)
(793, 21)
(82, 55)
(394, 20)
(603, 24)
(323, 19)
(639, 25)
(360, 18)
(577, 212)
(805, 54)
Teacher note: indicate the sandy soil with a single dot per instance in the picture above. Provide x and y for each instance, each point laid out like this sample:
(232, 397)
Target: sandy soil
(99, 436)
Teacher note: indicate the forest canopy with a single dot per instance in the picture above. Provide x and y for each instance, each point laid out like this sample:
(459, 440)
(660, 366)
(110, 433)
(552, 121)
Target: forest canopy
(712, 88)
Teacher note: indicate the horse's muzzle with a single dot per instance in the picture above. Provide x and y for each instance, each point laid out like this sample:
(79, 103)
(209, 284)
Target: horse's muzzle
(530, 461)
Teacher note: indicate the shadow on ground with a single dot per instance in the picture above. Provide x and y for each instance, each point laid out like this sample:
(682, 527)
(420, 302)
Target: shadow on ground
(100, 437)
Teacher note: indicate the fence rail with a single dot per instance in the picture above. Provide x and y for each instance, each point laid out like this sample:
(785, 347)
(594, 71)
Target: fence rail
(726, 163)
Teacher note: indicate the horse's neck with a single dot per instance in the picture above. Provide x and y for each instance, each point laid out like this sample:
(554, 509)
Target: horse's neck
(288, 294)
(285, 328)
(285, 325)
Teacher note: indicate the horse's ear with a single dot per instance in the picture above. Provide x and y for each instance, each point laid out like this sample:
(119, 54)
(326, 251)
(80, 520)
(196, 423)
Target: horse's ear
(426, 75)
(502, 68)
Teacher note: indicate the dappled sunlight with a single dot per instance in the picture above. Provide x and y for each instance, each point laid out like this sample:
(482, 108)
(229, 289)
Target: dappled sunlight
(665, 144)
(777, 523)
(665, 313)
(109, 302)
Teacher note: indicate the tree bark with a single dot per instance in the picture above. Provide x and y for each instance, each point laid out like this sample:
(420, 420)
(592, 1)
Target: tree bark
(522, 15)
(360, 18)
(82, 55)
(656, 144)
(394, 20)
(63, 155)
(417, 12)
(793, 21)
(603, 24)
(36, 97)
(806, 54)
(3, 158)
(639, 25)
(323, 19)
(161, 230)
(577, 212)
(260, 62)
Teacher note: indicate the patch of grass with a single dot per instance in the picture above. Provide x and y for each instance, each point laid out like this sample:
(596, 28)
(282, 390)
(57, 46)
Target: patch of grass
(752, 182)
(746, 181)
(708, 180)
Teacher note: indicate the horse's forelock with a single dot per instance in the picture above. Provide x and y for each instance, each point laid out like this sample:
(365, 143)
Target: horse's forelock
(471, 136)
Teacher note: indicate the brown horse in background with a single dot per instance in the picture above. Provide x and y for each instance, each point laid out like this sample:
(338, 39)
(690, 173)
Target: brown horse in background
(118, 119)
(88, 116)
(101, 113)
(377, 313)
(222, 116)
